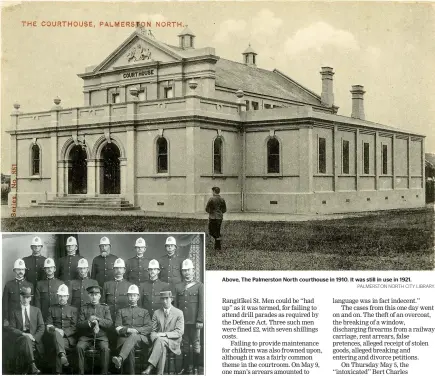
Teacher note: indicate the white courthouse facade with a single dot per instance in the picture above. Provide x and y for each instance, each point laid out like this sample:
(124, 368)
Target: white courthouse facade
(162, 124)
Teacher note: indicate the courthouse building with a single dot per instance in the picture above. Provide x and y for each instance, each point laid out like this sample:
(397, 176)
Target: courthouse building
(161, 124)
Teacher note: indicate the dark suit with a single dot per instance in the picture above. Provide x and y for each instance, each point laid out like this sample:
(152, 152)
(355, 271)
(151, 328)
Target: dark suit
(78, 296)
(67, 268)
(170, 270)
(136, 270)
(11, 296)
(46, 294)
(173, 327)
(102, 268)
(24, 346)
(87, 335)
(150, 295)
(132, 318)
(65, 318)
(115, 295)
(35, 268)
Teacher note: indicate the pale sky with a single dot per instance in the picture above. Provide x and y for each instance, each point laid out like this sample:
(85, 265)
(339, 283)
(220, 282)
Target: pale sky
(389, 48)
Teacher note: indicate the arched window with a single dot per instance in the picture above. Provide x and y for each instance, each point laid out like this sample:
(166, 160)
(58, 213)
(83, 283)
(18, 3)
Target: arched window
(162, 155)
(272, 155)
(36, 160)
(217, 155)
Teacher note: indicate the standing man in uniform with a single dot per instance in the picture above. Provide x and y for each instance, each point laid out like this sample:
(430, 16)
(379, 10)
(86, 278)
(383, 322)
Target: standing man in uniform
(79, 297)
(137, 266)
(28, 326)
(67, 266)
(11, 292)
(35, 262)
(102, 266)
(151, 289)
(133, 325)
(168, 328)
(46, 290)
(216, 207)
(94, 321)
(61, 326)
(170, 264)
(115, 291)
(190, 300)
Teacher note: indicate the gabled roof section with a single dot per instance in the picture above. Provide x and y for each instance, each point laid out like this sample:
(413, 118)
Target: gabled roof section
(233, 75)
(145, 44)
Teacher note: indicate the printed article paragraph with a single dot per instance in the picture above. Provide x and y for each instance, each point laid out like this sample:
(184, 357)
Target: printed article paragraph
(325, 326)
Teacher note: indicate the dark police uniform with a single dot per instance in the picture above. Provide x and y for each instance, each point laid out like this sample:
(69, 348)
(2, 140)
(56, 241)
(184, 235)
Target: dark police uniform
(67, 268)
(46, 294)
(102, 268)
(190, 299)
(78, 295)
(86, 333)
(133, 318)
(216, 207)
(11, 296)
(149, 297)
(170, 270)
(136, 270)
(115, 295)
(34, 269)
(62, 317)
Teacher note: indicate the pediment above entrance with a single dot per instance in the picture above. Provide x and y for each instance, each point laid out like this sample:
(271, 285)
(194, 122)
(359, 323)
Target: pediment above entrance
(138, 49)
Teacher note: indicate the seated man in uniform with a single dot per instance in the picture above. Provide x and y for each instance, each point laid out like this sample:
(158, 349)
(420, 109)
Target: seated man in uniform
(133, 324)
(168, 328)
(94, 321)
(27, 325)
(61, 326)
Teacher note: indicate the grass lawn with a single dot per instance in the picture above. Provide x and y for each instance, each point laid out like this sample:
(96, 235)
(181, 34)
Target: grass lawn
(393, 240)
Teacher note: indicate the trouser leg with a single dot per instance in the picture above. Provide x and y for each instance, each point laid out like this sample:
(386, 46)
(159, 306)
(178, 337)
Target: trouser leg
(82, 346)
(25, 348)
(158, 354)
(105, 356)
(127, 351)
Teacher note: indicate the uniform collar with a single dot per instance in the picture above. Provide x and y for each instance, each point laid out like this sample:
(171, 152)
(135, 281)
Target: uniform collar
(82, 278)
(49, 279)
(154, 280)
(119, 280)
(133, 306)
(19, 280)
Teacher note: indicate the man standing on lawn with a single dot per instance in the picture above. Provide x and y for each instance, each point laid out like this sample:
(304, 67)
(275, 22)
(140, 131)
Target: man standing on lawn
(216, 207)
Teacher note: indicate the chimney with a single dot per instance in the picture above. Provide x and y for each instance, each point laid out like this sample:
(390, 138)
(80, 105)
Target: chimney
(249, 56)
(358, 102)
(327, 97)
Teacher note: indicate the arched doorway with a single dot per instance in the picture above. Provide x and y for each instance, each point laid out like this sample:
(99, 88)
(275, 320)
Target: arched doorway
(111, 173)
(77, 171)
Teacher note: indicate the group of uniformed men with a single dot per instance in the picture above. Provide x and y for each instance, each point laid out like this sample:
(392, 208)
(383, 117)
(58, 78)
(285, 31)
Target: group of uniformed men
(123, 306)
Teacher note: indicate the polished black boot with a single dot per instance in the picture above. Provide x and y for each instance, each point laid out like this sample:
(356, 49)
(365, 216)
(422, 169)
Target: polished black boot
(185, 369)
(196, 363)
(218, 244)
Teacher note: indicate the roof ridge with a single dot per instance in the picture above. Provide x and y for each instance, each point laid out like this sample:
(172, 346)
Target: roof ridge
(277, 71)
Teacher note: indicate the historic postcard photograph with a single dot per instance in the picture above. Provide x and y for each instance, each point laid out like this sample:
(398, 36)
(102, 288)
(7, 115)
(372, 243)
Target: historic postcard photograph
(297, 135)
(100, 303)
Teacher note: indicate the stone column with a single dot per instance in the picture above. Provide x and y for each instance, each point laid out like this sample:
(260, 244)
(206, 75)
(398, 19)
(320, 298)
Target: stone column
(378, 160)
(91, 178)
(54, 163)
(99, 175)
(306, 159)
(357, 159)
(336, 146)
(393, 160)
(123, 172)
(192, 138)
(409, 162)
(130, 165)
